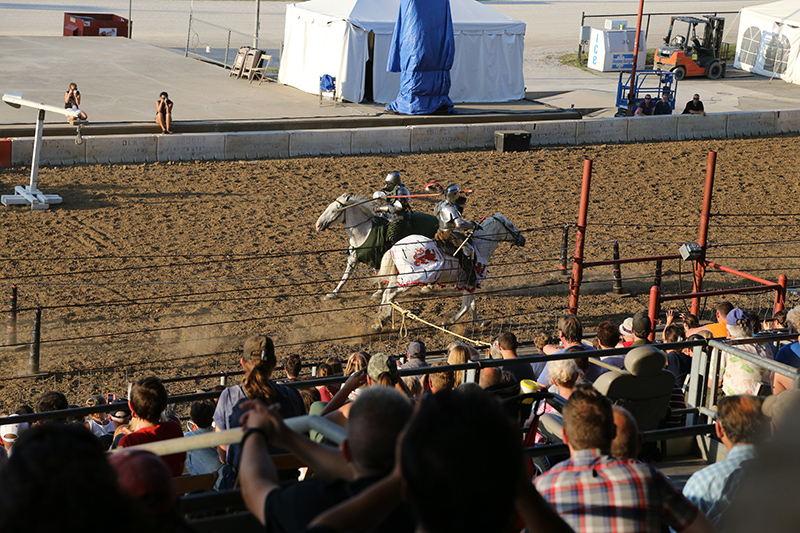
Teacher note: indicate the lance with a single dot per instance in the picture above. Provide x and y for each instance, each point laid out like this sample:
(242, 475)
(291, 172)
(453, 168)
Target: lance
(393, 196)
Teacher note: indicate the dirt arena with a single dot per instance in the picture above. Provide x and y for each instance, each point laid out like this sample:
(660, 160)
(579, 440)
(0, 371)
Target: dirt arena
(165, 268)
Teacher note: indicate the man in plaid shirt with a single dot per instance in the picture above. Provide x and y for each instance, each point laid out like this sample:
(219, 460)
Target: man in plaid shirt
(740, 426)
(594, 492)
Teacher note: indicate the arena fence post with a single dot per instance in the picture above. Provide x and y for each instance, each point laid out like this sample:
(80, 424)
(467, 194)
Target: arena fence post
(33, 361)
(580, 232)
(780, 294)
(657, 280)
(562, 263)
(705, 215)
(11, 328)
(617, 270)
(655, 305)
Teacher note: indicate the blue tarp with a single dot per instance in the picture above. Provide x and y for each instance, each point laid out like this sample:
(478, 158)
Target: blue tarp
(422, 50)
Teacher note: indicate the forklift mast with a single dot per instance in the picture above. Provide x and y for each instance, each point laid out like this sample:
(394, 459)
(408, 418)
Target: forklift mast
(715, 25)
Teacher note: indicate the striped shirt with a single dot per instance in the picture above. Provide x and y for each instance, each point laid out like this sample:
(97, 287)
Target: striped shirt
(594, 492)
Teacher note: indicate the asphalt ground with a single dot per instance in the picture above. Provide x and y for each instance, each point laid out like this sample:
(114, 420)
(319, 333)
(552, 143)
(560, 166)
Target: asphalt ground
(120, 79)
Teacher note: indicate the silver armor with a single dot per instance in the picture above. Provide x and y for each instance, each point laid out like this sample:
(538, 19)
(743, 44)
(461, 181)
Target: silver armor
(392, 208)
(450, 218)
(448, 214)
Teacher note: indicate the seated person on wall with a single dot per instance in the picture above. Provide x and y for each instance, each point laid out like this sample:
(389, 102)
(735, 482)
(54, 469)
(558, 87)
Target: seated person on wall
(72, 100)
(645, 108)
(147, 402)
(593, 491)
(662, 106)
(164, 113)
(694, 107)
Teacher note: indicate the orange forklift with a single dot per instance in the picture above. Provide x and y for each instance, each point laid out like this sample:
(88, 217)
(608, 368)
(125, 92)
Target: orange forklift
(684, 54)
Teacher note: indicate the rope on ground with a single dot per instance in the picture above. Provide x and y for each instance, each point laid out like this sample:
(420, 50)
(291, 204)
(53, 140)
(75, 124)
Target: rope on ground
(403, 330)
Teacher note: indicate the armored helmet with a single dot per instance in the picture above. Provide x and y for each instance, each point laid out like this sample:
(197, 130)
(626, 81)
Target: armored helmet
(451, 192)
(393, 179)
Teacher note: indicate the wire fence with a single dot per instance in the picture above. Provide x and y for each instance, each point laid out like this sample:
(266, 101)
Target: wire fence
(185, 320)
(219, 45)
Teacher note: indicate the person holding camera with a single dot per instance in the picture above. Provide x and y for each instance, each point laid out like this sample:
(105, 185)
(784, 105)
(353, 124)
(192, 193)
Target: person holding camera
(72, 100)
(164, 113)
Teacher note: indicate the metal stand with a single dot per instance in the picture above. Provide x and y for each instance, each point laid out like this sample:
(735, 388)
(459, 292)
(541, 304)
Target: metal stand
(30, 195)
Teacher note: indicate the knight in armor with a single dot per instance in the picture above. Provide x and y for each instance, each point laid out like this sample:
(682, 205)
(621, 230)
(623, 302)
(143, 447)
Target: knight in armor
(451, 234)
(395, 210)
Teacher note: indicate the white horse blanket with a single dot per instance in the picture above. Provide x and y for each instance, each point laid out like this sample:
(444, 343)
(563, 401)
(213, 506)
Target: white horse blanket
(420, 262)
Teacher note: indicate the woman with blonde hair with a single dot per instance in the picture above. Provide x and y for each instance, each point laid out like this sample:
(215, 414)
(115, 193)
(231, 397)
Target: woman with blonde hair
(458, 354)
(357, 361)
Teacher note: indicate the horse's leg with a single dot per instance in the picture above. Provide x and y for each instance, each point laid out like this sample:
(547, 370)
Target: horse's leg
(467, 302)
(385, 308)
(386, 272)
(351, 266)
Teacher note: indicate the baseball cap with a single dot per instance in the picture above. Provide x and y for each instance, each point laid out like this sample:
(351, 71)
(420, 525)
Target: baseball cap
(735, 316)
(258, 347)
(146, 477)
(641, 325)
(122, 413)
(11, 432)
(416, 349)
(626, 328)
(381, 363)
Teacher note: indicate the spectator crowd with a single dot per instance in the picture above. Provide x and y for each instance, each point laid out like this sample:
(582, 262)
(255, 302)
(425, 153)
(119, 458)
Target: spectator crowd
(428, 447)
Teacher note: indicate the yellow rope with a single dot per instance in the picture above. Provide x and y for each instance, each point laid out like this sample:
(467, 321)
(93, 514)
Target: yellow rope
(404, 328)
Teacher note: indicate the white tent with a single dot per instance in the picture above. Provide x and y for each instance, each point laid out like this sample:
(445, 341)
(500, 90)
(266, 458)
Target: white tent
(769, 40)
(335, 37)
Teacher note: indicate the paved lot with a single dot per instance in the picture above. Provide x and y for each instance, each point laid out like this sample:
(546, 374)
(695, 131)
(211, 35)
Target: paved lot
(119, 79)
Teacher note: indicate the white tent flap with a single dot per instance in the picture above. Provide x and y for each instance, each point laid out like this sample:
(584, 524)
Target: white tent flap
(769, 40)
(332, 37)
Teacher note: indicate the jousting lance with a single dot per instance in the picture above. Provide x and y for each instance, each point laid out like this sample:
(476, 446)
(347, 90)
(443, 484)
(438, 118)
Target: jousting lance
(393, 196)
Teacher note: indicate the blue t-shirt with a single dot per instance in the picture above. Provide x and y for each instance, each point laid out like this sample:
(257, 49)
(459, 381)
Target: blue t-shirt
(789, 354)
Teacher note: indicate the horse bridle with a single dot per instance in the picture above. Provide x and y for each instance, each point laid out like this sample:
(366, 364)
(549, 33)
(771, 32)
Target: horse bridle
(502, 223)
(344, 216)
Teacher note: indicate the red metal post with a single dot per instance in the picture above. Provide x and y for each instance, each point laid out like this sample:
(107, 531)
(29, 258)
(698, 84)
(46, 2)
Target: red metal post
(580, 232)
(780, 294)
(652, 312)
(705, 215)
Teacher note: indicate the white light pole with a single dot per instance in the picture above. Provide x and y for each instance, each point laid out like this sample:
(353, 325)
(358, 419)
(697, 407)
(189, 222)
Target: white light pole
(255, 35)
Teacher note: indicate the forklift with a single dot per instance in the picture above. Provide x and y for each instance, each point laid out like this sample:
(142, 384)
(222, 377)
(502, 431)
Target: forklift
(685, 55)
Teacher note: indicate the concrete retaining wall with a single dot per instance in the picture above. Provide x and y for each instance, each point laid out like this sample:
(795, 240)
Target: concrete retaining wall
(402, 139)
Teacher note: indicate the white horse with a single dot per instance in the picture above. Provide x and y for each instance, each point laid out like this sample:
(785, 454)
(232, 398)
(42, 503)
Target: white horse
(494, 230)
(356, 215)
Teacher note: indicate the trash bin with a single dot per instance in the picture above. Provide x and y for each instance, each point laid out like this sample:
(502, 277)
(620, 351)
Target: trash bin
(94, 25)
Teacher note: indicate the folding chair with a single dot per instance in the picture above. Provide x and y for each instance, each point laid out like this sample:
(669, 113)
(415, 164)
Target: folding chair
(327, 86)
(251, 61)
(238, 63)
(261, 72)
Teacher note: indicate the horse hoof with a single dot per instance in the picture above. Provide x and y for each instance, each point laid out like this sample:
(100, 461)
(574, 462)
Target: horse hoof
(427, 289)
(377, 295)
(377, 327)
(329, 296)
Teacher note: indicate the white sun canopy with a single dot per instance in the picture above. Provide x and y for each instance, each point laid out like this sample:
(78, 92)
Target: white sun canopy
(769, 40)
(335, 36)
